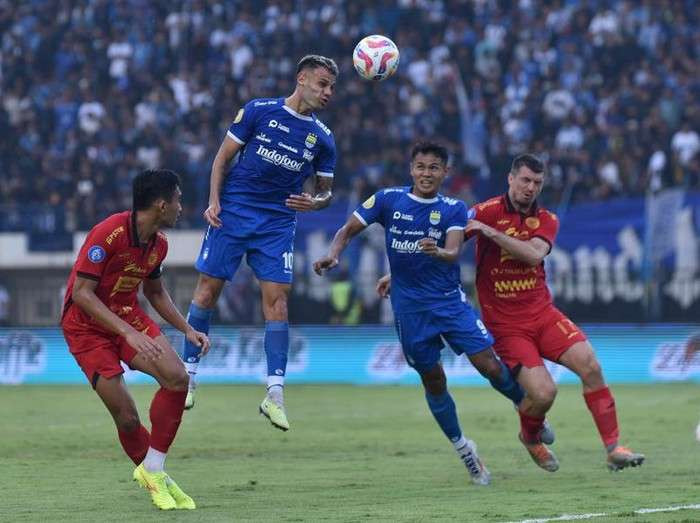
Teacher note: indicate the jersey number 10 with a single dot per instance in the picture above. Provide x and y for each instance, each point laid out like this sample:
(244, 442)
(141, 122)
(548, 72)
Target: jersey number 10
(288, 260)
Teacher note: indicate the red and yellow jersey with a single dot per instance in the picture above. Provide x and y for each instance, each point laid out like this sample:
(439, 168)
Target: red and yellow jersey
(511, 290)
(113, 257)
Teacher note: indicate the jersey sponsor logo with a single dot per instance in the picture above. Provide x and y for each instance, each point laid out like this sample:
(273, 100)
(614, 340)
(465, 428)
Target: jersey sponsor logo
(401, 216)
(132, 267)
(263, 137)
(125, 284)
(395, 230)
(308, 155)
(268, 102)
(152, 258)
(435, 233)
(414, 233)
(239, 116)
(310, 140)
(288, 147)
(503, 222)
(274, 124)
(112, 235)
(488, 203)
(324, 127)
(532, 222)
(369, 202)
(393, 189)
(435, 217)
(96, 254)
(282, 160)
(514, 286)
(405, 246)
(449, 201)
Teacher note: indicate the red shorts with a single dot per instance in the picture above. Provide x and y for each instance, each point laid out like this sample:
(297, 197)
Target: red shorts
(99, 353)
(548, 336)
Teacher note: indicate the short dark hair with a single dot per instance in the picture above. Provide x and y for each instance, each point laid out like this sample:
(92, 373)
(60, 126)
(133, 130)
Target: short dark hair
(312, 61)
(530, 161)
(427, 147)
(152, 185)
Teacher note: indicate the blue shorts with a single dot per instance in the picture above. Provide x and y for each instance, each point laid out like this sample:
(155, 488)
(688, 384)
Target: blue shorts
(423, 334)
(266, 239)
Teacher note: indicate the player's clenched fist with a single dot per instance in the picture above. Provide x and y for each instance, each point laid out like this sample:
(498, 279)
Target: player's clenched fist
(211, 215)
(323, 264)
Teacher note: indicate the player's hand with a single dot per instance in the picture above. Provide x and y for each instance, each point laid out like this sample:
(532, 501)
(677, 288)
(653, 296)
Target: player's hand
(323, 264)
(301, 202)
(384, 286)
(476, 227)
(198, 339)
(211, 215)
(144, 344)
(429, 246)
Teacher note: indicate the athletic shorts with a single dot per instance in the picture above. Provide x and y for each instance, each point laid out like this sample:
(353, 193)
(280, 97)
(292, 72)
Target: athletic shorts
(423, 334)
(99, 353)
(267, 240)
(547, 335)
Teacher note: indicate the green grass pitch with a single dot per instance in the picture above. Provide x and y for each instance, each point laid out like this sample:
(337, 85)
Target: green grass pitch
(360, 454)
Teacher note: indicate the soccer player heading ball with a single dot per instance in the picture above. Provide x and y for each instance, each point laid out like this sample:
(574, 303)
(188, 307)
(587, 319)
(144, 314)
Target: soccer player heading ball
(103, 324)
(252, 211)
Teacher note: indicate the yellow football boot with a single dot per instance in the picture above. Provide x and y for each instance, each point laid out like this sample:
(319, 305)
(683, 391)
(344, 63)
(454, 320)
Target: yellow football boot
(182, 500)
(275, 413)
(154, 482)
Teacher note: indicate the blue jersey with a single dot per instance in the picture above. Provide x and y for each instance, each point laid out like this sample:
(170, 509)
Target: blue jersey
(418, 281)
(281, 149)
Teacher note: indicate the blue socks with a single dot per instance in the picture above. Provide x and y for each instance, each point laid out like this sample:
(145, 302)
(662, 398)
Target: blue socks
(507, 385)
(199, 319)
(445, 413)
(276, 347)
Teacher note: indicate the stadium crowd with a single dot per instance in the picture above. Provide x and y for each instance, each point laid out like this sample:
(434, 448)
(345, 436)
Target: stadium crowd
(92, 91)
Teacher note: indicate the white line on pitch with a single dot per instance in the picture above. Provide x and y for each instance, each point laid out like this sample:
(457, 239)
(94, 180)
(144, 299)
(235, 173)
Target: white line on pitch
(573, 517)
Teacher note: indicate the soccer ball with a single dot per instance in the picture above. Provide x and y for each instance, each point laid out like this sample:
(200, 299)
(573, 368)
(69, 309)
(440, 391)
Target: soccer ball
(375, 57)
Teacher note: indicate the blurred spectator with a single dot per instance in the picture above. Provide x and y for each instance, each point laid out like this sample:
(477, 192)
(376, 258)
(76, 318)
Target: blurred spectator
(4, 306)
(92, 91)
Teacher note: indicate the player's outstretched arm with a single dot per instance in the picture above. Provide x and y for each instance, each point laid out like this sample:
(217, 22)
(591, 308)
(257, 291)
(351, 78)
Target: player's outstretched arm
(340, 241)
(84, 297)
(305, 202)
(531, 251)
(158, 296)
(227, 150)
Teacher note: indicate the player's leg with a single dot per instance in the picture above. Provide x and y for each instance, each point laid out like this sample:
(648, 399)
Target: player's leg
(166, 411)
(221, 253)
(581, 359)
(274, 303)
(206, 294)
(270, 254)
(421, 344)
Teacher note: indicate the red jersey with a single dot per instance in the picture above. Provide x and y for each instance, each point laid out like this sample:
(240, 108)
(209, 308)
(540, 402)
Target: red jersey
(510, 290)
(112, 256)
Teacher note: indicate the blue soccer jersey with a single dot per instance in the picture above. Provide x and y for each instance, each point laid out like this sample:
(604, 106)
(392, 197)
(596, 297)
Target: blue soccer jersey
(418, 282)
(281, 149)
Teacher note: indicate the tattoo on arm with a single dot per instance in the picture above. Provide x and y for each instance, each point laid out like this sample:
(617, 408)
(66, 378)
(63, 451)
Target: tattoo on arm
(323, 189)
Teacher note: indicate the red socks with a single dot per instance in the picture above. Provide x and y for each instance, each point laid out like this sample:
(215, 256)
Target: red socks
(135, 443)
(602, 406)
(166, 414)
(530, 427)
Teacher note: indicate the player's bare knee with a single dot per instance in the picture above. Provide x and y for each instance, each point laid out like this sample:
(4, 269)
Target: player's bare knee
(591, 373)
(543, 395)
(276, 308)
(176, 379)
(205, 295)
(434, 381)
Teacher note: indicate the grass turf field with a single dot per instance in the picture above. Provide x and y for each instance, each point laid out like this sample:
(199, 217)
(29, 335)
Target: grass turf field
(353, 454)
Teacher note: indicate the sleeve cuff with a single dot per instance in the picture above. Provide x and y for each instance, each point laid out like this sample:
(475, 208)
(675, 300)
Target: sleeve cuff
(456, 228)
(359, 217)
(234, 138)
(324, 174)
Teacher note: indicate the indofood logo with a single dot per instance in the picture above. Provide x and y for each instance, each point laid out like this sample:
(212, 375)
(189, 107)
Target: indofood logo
(405, 246)
(283, 160)
(21, 353)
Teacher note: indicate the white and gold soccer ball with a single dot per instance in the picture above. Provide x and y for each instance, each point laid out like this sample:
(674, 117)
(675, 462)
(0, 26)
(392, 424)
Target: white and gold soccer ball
(375, 57)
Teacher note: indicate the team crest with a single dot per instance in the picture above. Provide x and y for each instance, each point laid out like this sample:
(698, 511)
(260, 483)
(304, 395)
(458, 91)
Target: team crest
(152, 258)
(96, 254)
(435, 217)
(369, 202)
(532, 222)
(310, 140)
(239, 116)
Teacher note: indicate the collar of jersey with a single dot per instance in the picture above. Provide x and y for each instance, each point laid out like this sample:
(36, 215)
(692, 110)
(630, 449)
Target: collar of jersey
(296, 114)
(421, 200)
